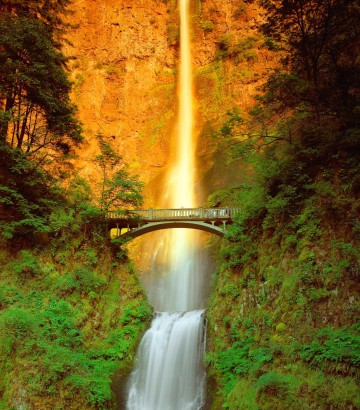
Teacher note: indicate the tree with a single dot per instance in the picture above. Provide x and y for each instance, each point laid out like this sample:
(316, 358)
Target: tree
(321, 40)
(49, 12)
(28, 195)
(35, 108)
(37, 118)
(117, 187)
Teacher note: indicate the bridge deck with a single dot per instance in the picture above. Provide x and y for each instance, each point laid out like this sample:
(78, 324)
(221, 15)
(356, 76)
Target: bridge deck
(182, 214)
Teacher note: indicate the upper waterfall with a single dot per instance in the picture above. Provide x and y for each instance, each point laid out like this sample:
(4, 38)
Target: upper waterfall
(182, 173)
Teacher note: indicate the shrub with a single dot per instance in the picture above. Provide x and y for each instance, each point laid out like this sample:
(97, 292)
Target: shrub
(26, 265)
(135, 312)
(336, 350)
(173, 34)
(16, 325)
(82, 280)
(207, 26)
(241, 358)
(223, 47)
(273, 383)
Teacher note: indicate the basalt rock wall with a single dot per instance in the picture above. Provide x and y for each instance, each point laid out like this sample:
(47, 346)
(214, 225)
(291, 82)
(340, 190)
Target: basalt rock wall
(124, 69)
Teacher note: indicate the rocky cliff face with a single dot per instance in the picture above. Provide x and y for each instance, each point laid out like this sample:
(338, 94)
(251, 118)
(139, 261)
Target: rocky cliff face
(124, 72)
(123, 78)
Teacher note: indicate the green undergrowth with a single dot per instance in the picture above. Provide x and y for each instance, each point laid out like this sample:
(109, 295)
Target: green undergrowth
(71, 315)
(283, 319)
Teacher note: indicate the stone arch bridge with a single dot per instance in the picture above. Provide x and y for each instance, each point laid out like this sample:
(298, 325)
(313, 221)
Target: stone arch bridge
(139, 222)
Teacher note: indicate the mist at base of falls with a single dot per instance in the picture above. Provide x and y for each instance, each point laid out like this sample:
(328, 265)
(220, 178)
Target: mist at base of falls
(178, 277)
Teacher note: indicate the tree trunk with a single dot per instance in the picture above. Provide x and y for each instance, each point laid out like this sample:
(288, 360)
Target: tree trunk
(4, 120)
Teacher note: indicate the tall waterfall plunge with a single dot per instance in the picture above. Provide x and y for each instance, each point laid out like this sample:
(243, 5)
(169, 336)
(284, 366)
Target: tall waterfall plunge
(169, 373)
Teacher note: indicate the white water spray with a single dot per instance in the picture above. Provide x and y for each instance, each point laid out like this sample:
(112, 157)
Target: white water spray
(169, 374)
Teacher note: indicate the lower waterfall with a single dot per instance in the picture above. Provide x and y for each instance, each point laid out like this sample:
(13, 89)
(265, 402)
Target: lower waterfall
(169, 374)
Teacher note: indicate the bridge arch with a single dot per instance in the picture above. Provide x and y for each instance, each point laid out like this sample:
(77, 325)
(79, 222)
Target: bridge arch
(157, 226)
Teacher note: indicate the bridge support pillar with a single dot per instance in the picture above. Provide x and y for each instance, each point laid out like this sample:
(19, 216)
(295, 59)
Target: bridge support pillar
(224, 223)
(118, 232)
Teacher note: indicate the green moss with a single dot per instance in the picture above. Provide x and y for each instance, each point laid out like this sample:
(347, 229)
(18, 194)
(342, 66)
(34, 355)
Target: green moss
(242, 396)
(173, 33)
(281, 327)
(207, 25)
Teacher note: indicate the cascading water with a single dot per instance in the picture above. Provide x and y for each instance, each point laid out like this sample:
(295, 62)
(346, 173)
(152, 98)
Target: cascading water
(169, 374)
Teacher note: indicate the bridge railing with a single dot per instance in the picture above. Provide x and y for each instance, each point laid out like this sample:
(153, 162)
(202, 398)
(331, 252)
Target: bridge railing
(173, 214)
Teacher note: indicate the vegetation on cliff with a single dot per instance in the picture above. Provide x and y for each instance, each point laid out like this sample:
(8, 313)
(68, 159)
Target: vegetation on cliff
(71, 315)
(71, 307)
(284, 317)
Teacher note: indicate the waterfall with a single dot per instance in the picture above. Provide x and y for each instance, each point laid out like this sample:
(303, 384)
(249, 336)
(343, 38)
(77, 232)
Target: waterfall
(169, 372)
(170, 354)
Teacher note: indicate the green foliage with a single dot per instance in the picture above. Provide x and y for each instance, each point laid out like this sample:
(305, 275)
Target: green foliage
(26, 197)
(37, 122)
(281, 327)
(117, 186)
(343, 393)
(223, 47)
(135, 313)
(289, 269)
(233, 121)
(207, 26)
(224, 197)
(173, 34)
(242, 396)
(36, 109)
(17, 325)
(33, 203)
(337, 350)
(50, 341)
(82, 280)
(245, 50)
(241, 358)
(26, 265)
(60, 219)
(274, 383)
(59, 324)
(65, 327)
(252, 202)
(315, 43)
(282, 263)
